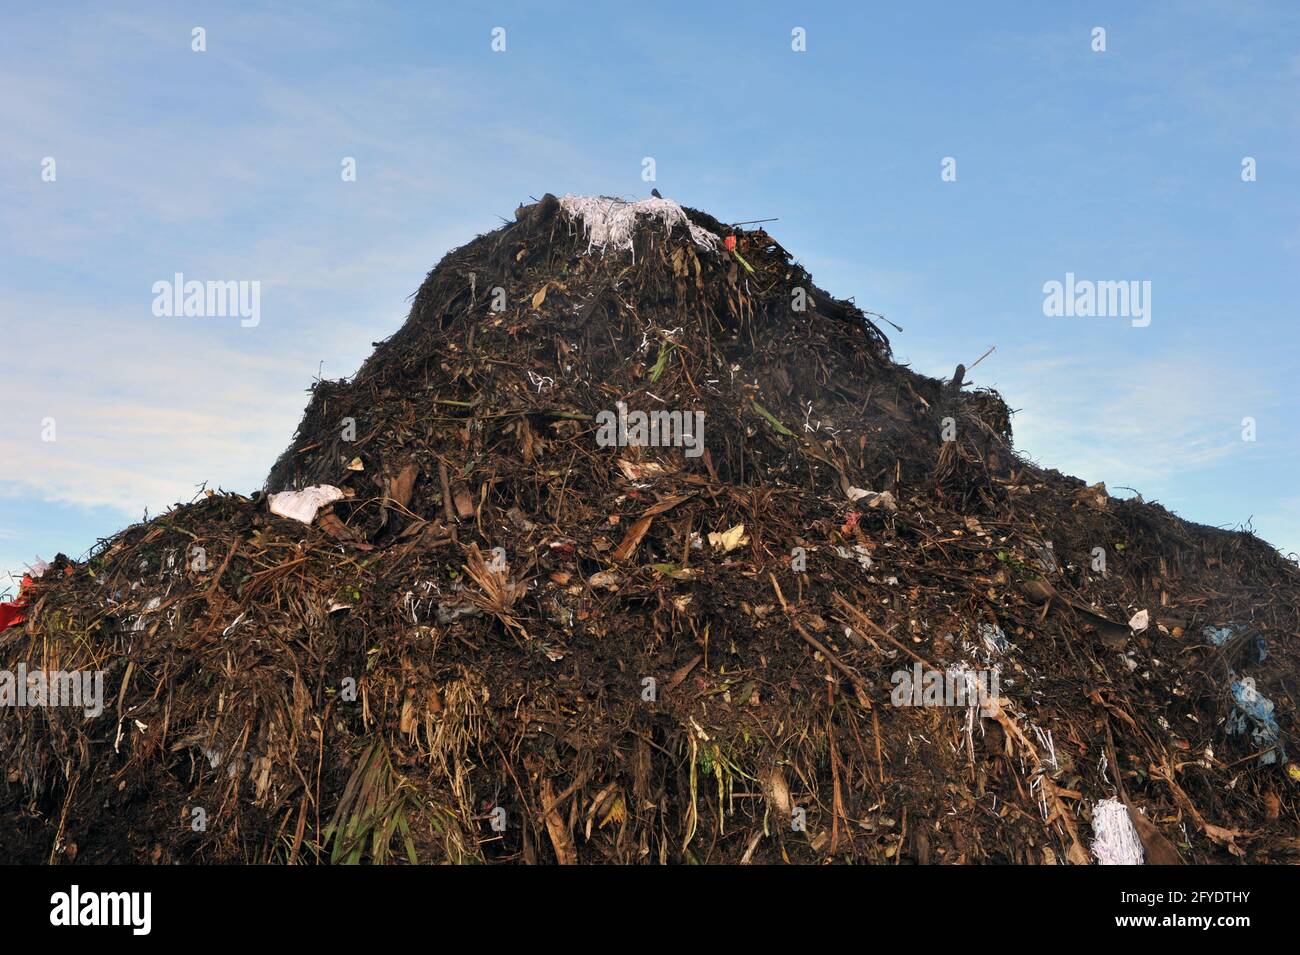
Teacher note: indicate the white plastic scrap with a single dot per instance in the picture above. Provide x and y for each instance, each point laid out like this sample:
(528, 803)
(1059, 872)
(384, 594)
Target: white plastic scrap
(859, 553)
(994, 639)
(1139, 621)
(153, 604)
(303, 505)
(883, 499)
(1117, 841)
(1046, 742)
(609, 221)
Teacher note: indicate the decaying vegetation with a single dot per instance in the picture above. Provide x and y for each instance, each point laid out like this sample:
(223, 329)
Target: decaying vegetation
(509, 643)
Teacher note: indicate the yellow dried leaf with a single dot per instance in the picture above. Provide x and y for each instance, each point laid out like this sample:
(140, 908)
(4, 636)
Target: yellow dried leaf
(617, 813)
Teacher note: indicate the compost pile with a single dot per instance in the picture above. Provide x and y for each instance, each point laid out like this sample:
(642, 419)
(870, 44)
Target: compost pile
(521, 634)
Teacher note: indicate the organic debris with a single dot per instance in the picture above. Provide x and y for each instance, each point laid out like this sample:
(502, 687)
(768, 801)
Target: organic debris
(554, 615)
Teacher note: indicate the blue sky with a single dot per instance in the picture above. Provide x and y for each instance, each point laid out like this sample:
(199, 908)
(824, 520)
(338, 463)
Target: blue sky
(225, 165)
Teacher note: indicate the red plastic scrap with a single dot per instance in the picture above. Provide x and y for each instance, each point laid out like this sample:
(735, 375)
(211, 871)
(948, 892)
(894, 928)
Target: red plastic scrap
(14, 612)
(11, 613)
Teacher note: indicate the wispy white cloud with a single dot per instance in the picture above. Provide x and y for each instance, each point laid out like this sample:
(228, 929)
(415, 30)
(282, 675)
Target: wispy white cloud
(1143, 420)
(137, 418)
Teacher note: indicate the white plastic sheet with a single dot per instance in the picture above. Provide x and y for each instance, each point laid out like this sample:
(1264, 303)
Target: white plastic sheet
(303, 505)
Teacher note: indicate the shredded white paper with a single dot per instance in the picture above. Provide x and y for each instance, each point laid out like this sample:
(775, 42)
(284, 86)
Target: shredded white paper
(303, 505)
(1117, 841)
(613, 222)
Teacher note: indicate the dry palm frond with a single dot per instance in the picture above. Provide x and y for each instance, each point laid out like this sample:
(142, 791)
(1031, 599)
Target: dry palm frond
(499, 593)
